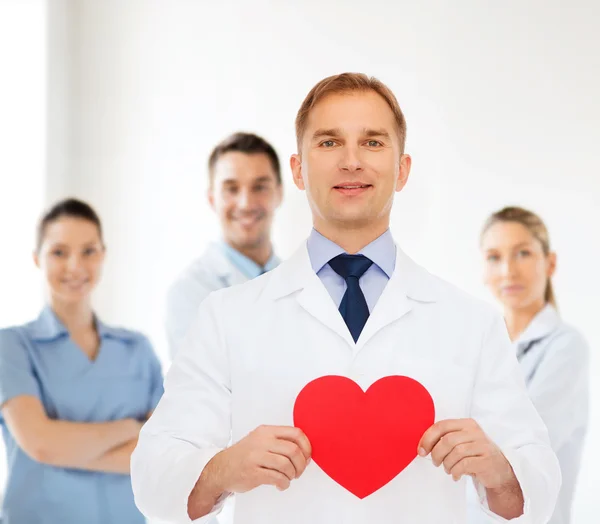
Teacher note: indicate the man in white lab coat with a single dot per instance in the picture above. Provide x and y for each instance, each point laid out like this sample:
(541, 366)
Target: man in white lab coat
(349, 307)
(244, 191)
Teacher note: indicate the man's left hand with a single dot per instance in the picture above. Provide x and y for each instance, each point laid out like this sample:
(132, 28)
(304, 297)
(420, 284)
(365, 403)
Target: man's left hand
(464, 449)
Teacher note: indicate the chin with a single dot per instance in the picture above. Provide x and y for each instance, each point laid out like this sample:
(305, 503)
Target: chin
(250, 240)
(515, 302)
(72, 297)
(353, 220)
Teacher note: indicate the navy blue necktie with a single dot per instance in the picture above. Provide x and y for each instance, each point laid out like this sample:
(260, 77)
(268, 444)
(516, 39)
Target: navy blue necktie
(353, 308)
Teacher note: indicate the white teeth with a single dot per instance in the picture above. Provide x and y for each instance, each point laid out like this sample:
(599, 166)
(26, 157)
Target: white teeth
(351, 187)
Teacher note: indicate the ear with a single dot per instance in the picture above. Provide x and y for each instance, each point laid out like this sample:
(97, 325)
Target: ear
(36, 259)
(404, 171)
(279, 193)
(296, 165)
(211, 197)
(551, 265)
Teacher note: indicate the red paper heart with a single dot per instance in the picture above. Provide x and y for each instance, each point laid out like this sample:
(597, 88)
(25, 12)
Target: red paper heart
(362, 440)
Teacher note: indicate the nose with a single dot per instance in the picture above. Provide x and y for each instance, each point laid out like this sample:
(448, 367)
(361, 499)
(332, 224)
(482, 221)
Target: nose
(508, 267)
(244, 200)
(350, 160)
(74, 262)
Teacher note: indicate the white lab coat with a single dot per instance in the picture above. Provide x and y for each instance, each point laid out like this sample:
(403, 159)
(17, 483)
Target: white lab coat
(554, 362)
(208, 273)
(212, 271)
(554, 359)
(253, 348)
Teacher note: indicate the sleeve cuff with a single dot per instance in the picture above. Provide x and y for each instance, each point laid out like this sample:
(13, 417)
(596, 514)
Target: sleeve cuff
(215, 511)
(525, 518)
(189, 476)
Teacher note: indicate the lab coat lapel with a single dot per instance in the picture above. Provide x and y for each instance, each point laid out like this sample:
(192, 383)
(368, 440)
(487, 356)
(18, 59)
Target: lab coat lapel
(227, 272)
(408, 285)
(296, 275)
(391, 306)
(315, 299)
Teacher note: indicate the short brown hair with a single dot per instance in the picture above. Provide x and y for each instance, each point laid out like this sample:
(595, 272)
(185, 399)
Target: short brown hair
(348, 83)
(71, 208)
(535, 225)
(248, 143)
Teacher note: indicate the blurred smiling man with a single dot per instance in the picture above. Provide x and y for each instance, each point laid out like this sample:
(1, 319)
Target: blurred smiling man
(245, 190)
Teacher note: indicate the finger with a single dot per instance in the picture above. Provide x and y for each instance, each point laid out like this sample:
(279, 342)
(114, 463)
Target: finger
(297, 436)
(465, 466)
(274, 478)
(291, 433)
(292, 451)
(446, 444)
(461, 451)
(432, 436)
(279, 463)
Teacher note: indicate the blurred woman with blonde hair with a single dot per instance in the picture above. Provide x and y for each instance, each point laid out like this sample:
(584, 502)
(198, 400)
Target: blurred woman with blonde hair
(518, 270)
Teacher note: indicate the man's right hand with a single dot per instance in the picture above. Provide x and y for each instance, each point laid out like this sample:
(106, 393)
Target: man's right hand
(269, 455)
(273, 455)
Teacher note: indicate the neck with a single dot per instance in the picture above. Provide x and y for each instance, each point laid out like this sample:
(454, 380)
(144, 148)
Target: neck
(260, 254)
(517, 320)
(352, 239)
(76, 317)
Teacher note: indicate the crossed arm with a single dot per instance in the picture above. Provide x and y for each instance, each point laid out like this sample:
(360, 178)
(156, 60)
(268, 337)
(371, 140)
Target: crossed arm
(94, 446)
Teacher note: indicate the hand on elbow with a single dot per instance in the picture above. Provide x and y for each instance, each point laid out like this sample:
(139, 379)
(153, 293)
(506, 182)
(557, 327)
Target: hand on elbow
(43, 453)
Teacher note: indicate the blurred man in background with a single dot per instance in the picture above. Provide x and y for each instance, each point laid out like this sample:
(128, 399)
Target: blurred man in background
(245, 190)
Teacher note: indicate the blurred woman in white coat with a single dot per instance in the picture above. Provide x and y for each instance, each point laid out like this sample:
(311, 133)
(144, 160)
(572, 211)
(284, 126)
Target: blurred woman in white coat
(519, 266)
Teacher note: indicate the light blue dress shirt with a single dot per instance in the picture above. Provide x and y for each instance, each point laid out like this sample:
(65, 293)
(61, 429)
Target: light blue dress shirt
(382, 251)
(246, 265)
(124, 381)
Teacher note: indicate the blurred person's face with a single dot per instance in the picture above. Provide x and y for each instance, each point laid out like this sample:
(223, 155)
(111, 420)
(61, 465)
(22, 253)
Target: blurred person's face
(350, 162)
(71, 258)
(516, 270)
(245, 194)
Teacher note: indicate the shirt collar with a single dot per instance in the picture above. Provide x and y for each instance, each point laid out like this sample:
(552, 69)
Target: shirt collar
(246, 265)
(546, 321)
(382, 251)
(48, 327)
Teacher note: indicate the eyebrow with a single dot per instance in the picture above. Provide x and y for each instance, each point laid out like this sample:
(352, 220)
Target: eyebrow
(376, 133)
(368, 132)
(520, 244)
(320, 133)
(261, 179)
(63, 245)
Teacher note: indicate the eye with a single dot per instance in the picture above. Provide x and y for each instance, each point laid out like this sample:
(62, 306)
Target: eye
(327, 143)
(374, 143)
(260, 188)
(493, 258)
(58, 252)
(524, 253)
(231, 190)
(89, 251)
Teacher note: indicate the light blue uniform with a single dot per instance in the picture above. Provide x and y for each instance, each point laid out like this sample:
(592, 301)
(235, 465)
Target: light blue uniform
(125, 381)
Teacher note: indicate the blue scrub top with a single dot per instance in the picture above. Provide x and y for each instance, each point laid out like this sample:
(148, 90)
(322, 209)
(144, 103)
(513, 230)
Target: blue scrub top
(125, 381)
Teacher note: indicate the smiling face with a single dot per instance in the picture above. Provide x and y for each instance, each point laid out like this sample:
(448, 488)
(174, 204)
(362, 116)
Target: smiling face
(245, 193)
(351, 163)
(71, 257)
(516, 268)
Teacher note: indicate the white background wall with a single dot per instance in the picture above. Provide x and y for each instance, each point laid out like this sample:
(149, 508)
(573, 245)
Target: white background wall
(22, 152)
(500, 98)
(22, 159)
